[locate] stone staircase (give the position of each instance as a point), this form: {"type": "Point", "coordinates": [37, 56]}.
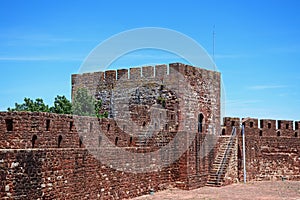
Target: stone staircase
{"type": "Point", "coordinates": [221, 162]}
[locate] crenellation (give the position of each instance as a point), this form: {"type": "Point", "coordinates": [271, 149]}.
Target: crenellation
{"type": "Point", "coordinates": [262, 127]}
{"type": "Point", "coordinates": [148, 72]}
{"type": "Point", "coordinates": [122, 73]}
{"type": "Point", "coordinates": [45, 126]}
{"type": "Point", "coordinates": [135, 73]}
{"type": "Point", "coordinates": [286, 128]}
{"type": "Point", "coordinates": [229, 123]}
{"type": "Point", "coordinates": [110, 76]}
{"type": "Point", "coordinates": [268, 127]}
{"type": "Point", "coordinates": [161, 71]}
{"type": "Point", "coordinates": [175, 68]}
{"type": "Point", "coordinates": [49, 156]}
{"type": "Point", "coordinates": [251, 123]}
{"type": "Point", "coordinates": [190, 69]}
{"type": "Point", "coordinates": [89, 81]}
{"type": "Point", "coordinates": [251, 126]}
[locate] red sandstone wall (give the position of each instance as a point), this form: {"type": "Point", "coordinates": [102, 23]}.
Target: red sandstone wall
{"type": "Point", "coordinates": [173, 79]}
{"type": "Point", "coordinates": [71, 174]}
{"type": "Point", "coordinates": [204, 83]}
{"type": "Point", "coordinates": [199, 160]}
{"type": "Point", "coordinates": [271, 158]}
{"type": "Point", "coordinates": [46, 127]}
{"type": "Point", "coordinates": [272, 149]}
{"type": "Point", "coordinates": [68, 171]}
{"type": "Point", "coordinates": [232, 173]}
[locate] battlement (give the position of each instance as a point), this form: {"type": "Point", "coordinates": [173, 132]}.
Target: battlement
{"type": "Point", "coordinates": [263, 127]}
{"type": "Point", "coordinates": [36, 130]}
{"type": "Point", "coordinates": [46, 155]}
{"type": "Point", "coordinates": [25, 130]}
{"type": "Point", "coordinates": [21, 130]}
{"type": "Point", "coordinates": [90, 81]}
{"type": "Point", "coordinates": [51, 144]}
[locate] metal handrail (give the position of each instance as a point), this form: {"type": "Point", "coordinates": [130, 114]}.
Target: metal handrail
{"type": "Point", "coordinates": [220, 171]}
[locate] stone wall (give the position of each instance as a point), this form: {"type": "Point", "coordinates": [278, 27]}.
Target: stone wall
{"type": "Point", "coordinates": [48, 156]}
{"type": "Point", "coordinates": [70, 170]}
{"type": "Point", "coordinates": [71, 174]}
{"type": "Point", "coordinates": [271, 158]}
{"type": "Point", "coordinates": [183, 91]}
{"type": "Point", "coordinates": [24, 130]}
{"type": "Point", "coordinates": [272, 148]}
{"type": "Point", "coordinates": [232, 173]}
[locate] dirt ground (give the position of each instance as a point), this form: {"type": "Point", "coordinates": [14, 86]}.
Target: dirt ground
{"type": "Point", "coordinates": [254, 190]}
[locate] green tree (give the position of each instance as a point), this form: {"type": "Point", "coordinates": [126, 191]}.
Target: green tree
{"type": "Point", "coordinates": [31, 106]}
{"type": "Point", "coordinates": [98, 105]}
{"type": "Point", "coordinates": [83, 103]}
{"type": "Point", "coordinates": [86, 105]}
{"type": "Point", "coordinates": [61, 105]}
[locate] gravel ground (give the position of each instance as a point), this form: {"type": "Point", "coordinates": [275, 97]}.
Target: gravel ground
{"type": "Point", "coordinates": [254, 190]}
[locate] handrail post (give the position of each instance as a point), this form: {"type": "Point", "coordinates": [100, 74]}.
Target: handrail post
{"type": "Point", "coordinates": [244, 148]}
{"type": "Point", "coordinates": [244, 153]}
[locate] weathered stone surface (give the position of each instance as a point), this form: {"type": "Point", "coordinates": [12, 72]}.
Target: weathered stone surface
{"type": "Point", "coordinates": [48, 156]}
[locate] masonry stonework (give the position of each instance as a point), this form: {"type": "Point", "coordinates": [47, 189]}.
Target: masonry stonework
{"type": "Point", "coordinates": [48, 156]}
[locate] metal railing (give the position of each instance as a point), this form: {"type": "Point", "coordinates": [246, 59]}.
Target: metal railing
{"type": "Point", "coordinates": [225, 157]}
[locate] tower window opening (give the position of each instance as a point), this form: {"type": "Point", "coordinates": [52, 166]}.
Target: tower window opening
{"type": "Point", "coordinates": [9, 124]}
{"type": "Point", "coordinates": [71, 126]}
{"type": "Point", "coordinates": [59, 141]}
{"type": "Point", "coordinates": [33, 140]}
{"type": "Point", "coordinates": [80, 141]}
{"type": "Point", "coordinates": [251, 124]}
{"type": "Point", "coordinates": [200, 123]}
{"type": "Point", "coordinates": [91, 126]}
{"type": "Point", "coordinates": [47, 124]}
{"type": "Point", "coordinates": [269, 125]}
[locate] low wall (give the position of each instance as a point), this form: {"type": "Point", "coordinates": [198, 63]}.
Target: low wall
{"type": "Point", "coordinates": [270, 158]}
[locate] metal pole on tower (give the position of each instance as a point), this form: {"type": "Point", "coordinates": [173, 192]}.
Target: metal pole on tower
{"type": "Point", "coordinates": [214, 46]}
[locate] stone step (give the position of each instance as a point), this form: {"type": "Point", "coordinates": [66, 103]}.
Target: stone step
{"type": "Point", "coordinates": [218, 163]}
{"type": "Point", "coordinates": [215, 178]}
{"type": "Point", "coordinates": [216, 174]}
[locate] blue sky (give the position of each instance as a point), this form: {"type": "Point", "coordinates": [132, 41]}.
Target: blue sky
{"type": "Point", "coordinates": [257, 46]}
